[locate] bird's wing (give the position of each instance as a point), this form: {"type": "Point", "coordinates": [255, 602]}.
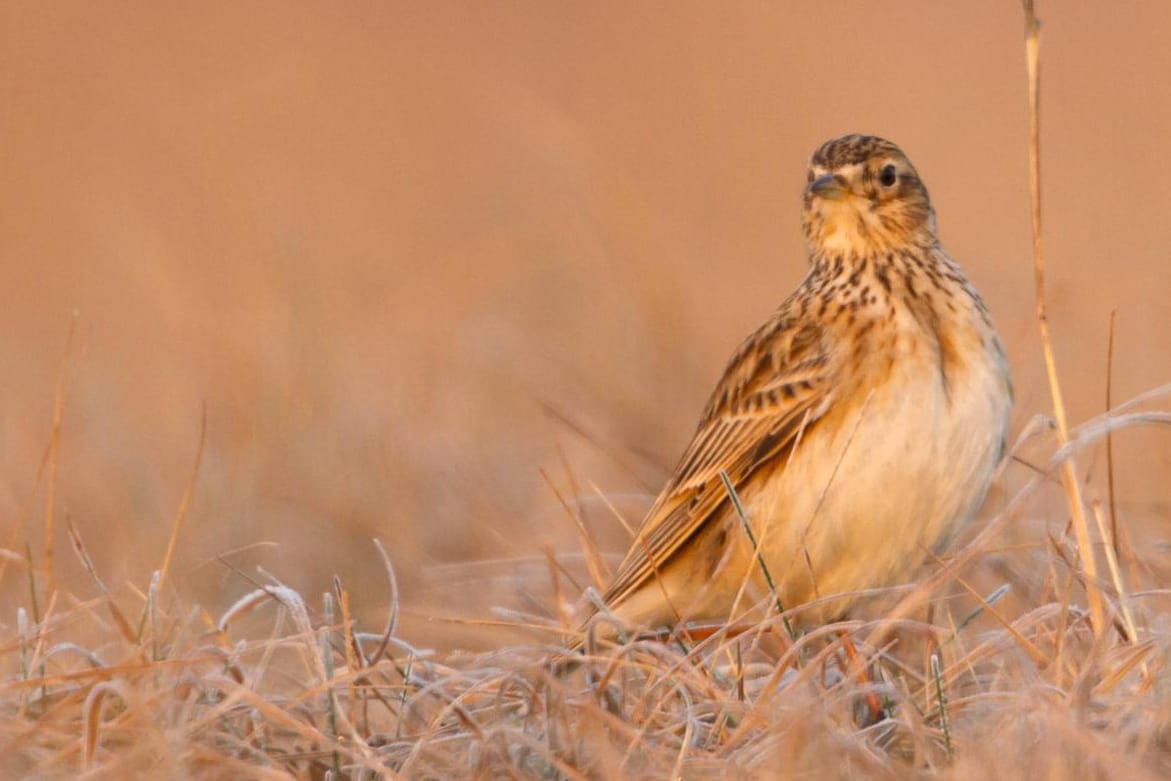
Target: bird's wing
{"type": "Point", "coordinates": [776, 385]}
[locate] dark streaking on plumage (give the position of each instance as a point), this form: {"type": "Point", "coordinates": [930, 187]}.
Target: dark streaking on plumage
{"type": "Point", "coordinates": [882, 313]}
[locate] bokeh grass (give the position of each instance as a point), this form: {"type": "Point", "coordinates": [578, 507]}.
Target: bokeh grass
{"type": "Point", "coordinates": [272, 368]}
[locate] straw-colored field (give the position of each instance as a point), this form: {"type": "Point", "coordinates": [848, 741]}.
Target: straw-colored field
{"type": "Point", "coordinates": [280, 281]}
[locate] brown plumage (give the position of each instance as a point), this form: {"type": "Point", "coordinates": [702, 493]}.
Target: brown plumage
{"type": "Point", "coordinates": [860, 425]}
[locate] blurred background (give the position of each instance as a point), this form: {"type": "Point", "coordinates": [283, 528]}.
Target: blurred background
{"type": "Point", "coordinates": [428, 266]}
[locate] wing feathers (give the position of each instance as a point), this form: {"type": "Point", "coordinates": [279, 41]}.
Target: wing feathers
{"type": "Point", "coordinates": [775, 385]}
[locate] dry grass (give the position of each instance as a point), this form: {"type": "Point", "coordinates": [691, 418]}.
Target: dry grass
{"type": "Point", "coordinates": [989, 666]}
{"type": "Point", "coordinates": [1015, 684]}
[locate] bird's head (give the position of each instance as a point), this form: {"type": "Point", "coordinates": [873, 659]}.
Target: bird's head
{"type": "Point", "coordinates": [865, 197]}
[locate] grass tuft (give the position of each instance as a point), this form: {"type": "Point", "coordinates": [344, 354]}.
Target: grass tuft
{"type": "Point", "coordinates": [1039, 667]}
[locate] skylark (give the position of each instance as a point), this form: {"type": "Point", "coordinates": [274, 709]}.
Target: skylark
{"type": "Point", "coordinates": [859, 427]}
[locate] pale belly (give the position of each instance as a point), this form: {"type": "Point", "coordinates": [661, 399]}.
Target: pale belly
{"type": "Point", "coordinates": [868, 497]}
{"type": "Point", "coordinates": [877, 484]}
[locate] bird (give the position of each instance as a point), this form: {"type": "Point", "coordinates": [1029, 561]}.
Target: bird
{"type": "Point", "coordinates": [851, 435]}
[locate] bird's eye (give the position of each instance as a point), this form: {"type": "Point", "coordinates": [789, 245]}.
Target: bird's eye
{"type": "Point", "coordinates": [887, 176]}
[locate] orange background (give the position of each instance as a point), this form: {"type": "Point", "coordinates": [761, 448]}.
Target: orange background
{"type": "Point", "coordinates": [404, 254]}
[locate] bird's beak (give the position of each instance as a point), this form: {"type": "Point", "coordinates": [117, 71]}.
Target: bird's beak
{"type": "Point", "coordinates": [830, 187]}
